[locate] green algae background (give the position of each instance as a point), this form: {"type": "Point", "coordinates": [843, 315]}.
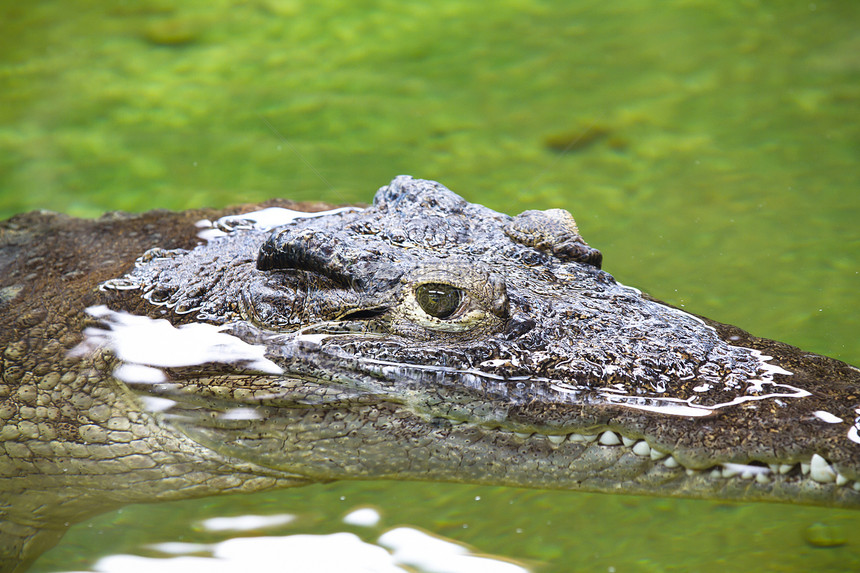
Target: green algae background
{"type": "Point", "coordinates": [708, 148]}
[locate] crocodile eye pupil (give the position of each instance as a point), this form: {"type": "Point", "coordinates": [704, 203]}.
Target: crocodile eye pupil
{"type": "Point", "coordinates": [439, 300]}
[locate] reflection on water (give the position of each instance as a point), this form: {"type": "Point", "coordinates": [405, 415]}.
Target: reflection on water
{"type": "Point", "coordinates": [398, 550]}
{"type": "Point", "coordinates": [550, 531]}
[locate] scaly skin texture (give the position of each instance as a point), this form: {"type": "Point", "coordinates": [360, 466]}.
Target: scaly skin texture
{"type": "Point", "coordinates": [421, 338]}
{"type": "Point", "coordinates": [73, 443]}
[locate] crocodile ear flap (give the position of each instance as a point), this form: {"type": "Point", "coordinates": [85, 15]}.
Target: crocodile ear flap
{"type": "Point", "coordinates": [554, 232]}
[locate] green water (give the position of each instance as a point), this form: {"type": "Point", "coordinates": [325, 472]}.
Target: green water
{"type": "Point", "coordinates": [711, 154]}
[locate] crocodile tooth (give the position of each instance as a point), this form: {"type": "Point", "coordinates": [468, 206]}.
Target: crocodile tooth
{"type": "Point", "coordinates": [856, 486]}
{"type": "Point", "coordinates": [609, 438]}
{"type": "Point", "coordinates": [804, 468]}
{"type": "Point", "coordinates": [841, 479]}
{"type": "Point", "coordinates": [762, 478]}
{"type": "Point", "coordinates": [576, 438]}
{"type": "Point", "coordinates": [690, 471]}
{"type": "Point", "coordinates": [641, 448]}
{"type": "Point", "coordinates": [522, 435]}
{"type": "Point", "coordinates": [773, 467]}
{"type": "Point", "coordinates": [820, 470]}
{"type": "Point", "coordinates": [589, 438]}
{"type": "Point", "coordinates": [716, 473]}
{"type": "Point", "coordinates": [655, 455]}
{"type": "Point", "coordinates": [785, 468]}
{"type": "Point", "coordinates": [747, 475]}
{"type": "Point", "coordinates": [627, 441]}
{"type": "Point", "coordinates": [671, 462]}
{"type": "Point", "coordinates": [556, 439]}
{"type": "Point", "coordinates": [730, 472]}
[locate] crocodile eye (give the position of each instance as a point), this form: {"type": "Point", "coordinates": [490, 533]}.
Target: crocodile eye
{"type": "Point", "coordinates": [437, 299]}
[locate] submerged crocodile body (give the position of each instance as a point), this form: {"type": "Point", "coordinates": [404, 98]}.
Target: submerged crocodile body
{"type": "Point", "coordinates": [423, 338]}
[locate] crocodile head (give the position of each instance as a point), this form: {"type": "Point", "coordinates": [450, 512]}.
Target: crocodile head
{"type": "Point", "coordinates": [425, 337]}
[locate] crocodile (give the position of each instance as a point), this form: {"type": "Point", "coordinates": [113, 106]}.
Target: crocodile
{"type": "Point", "coordinates": [167, 355]}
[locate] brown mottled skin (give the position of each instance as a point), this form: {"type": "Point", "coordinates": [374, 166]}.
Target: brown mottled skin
{"type": "Point", "coordinates": [76, 442]}
{"type": "Point", "coordinates": [64, 470]}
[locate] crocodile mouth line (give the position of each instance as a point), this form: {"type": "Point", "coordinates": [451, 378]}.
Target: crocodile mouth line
{"type": "Point", "coordinates": [816, 469]}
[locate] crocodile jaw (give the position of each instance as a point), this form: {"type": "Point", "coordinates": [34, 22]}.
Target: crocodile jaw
{"type": "Point", "coordinates": [312, 428]}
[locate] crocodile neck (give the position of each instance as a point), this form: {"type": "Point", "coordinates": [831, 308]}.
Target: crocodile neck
{"type": "Point", "coordinates": [76, 444]}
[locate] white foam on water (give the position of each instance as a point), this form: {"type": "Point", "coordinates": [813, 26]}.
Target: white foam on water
{"type": "Point", "coordinates": [139, 373]}
{"type": "Point", "coordinates": [262, 220]}
{"type": "Point", "coordinates": [210, 234]}
{"type": "Point", "coordinates": [827, 417]}
{"type": "Point", "coordinates": [241, 414]}
{"type": "Point", "coordinates": [432, 554]}
{"type": "Point", "coordinates": [345, 552]}
{"type": "Point", "coordinates": [156, 403]}
{"type": "Point", "coordinates": [144, 344]}
{"type": "Point", "coordinates": [289, 554]}
{"type": "Point", "coordinates": [311, 340]}
{"type": "Point", "coordinates": [668, 407]}
{"type": "Point", "coordinates": [246, 522]}
{"type": "Point", "coordinates": [365, 517]}
{"type": "Point", "coordinates": [180, 548]}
